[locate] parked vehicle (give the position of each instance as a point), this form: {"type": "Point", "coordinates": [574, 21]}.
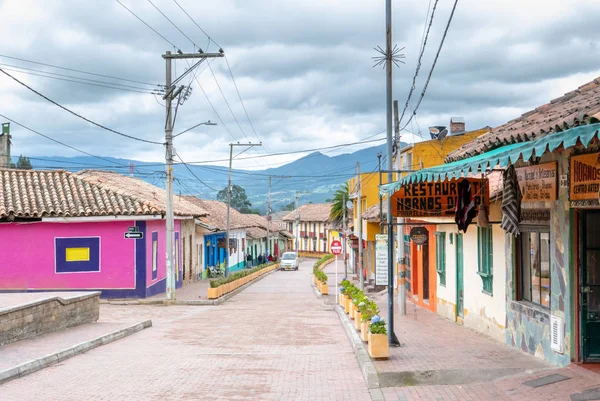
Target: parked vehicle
{"type": "Point", "coordinates": [289, 261]}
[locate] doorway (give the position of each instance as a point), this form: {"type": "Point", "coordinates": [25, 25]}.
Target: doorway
{"type": "Point", "coordinates": [590, 286]}
{"type": "Point", "coordinates": [460, 291]}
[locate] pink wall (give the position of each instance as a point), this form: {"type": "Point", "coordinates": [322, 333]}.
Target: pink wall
{"type": "Point", "coordinates": [27, 256]}
{"type": "Point", "coordinates": [160, 227]}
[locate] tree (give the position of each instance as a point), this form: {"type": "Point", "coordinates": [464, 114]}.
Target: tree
{"type": "Point", "coordinates": [339, 205]}
{"type": "Point", "coordinates": [239, 199]}
{"type": "Point", "coordinates": [23, 163]}
{"type": "Point", "coordinates": [289, 207]}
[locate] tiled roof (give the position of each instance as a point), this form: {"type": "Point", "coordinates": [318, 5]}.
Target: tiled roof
{"type": "Point", "coordinates": [256, 232]}
{"type": "Point", "coordinates": [578, 107]}
{"type": "Point", "coordinates": [150, 194]}
{"type": "Point", "coordinates": [57, 193]}
{"type": "Point", "coordinates": [217, 214]}
{"type": "Point", "coordinates": [311, 212]}
{"type": "Point", "coordinates": [372, 213]}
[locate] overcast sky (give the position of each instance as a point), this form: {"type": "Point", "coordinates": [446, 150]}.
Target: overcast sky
{"type": "Point", "coordinates": [303, 68]}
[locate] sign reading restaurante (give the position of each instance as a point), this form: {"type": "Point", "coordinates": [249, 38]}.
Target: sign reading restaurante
{"type": "Point", "coordinates": [538, 183]}
{"type": "Point", "coordinates": [436, 198]}
{"type": "Point", "coordinates": [585, 177]}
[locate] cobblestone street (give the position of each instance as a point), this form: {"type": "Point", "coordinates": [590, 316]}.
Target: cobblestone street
{"type": "Point", "coordinates": [273, 341]}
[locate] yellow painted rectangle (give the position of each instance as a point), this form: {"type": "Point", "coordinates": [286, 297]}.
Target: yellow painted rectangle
{"type": "Point", "coordinates": [77, 254]}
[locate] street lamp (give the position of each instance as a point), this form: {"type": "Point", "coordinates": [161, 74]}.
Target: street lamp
{"type": "Point", "coordinates": [197, 125]}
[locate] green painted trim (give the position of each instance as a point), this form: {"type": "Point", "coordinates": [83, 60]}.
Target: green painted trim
{"type": "Point", "coordinates": [572, 284]}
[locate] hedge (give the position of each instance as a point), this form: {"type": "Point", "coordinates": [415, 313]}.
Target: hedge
{"type": "Point", "coordinates": [237, 275]}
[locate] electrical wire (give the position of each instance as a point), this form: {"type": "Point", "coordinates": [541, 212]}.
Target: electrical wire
{"type": "Point", "coordinates": [195, 176]}
{"type": "Point", "coordinates": [433, 65]}
{"type": "Point", "coordinates": [195, 23]}
{"type": "Point", "coordinates": [59, 142]}
{"type": "Point", "coordinates": [421, 52]}
{"type": "Point", "coordinates": [145, 23]}
{"type": "Point", "coordinates": [172, 23]}
{"type": "Point", "coordinates": [139, 88]}
{"type": "Point", "coordinates": [81, 82]}
{"type": "Point", "coordinates": [79, 71]}
{"type": "Point", "coordinates": [78, 115]}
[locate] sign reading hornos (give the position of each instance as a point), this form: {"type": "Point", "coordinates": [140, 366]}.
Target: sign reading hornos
{"type": "Point", "coordinates": [435, 198]}
{"type": "Point", "coordinates": [585, 177]}
{"type": "Point", "coordinates": [538, 183]}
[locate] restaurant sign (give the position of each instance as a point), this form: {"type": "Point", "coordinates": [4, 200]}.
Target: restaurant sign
{"type": "Point", "coordinates": [538, 183]}
{"type": "Point", "coordinates": [427, 199]}
{"type": "Point", "coordinates": [584, 177]}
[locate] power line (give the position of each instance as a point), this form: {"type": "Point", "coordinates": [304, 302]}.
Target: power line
{"type": "Point", "coordinates": [422, 51]}
{"type": "Point", "coordinates": [172, 23]}
{"type": "Point", "coordinates": [145, 91]}
{"type": "Point", "coordinates": [79, 71]}
{"type": "Point", "coordinates": [59, 142]}
{"type": "Point", "coordinates": [240, 97]}
{"type": "Point", "coordinates": [145, 23]}
{"type": "Point", "coordinates": [195, 176]}
{"type": "Point", "coordinates": [433, 65]}
{"type": "Point", "coordinates": [79, 115]}
{"type": "Point", "coordinates": [195, 23]}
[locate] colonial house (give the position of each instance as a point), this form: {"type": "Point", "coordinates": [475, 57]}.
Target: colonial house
{"type": "Point", "coordinates": [311, 230]}
{"type": "Point", "coordinates": [211, 233]}
{"type": "Point", "coordinates": [528, 277]}
{"type": "Point", "coordinates": [92, 230]}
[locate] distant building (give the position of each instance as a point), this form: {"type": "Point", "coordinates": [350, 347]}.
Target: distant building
{"type": "Point", "coordinates": [311, 233]}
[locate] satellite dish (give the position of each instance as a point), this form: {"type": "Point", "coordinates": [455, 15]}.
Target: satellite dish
{"type": "Point", "coordinates": [442, 134]}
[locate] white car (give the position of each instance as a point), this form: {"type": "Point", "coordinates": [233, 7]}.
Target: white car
{"type": "Point", "coordinates": [289, 261]}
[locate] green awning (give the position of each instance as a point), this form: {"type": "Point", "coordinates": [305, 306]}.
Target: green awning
{"type": "Point", "coordinates": [501, 157]}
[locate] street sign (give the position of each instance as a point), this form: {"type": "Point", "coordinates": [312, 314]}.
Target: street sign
{"type": "Point", "coordinates": [132, 229]}
{"type": "Point", "coordinates": [134, 235]}
{"type": "Point", "coordinates": [336, 247]}
{"type": "Point", "coordinates": [381, 259]}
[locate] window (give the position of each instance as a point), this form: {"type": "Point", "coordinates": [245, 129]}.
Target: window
{"type": "Point", "coordinates": [485, 258]}
{"type": "Point", "coordinates": [77, 254]}
{"type": "Point", "coordinates": [535, 268]}
{"type": "Point", "coordinates": [154, 254]}
{"type": "Point", "coordinates": [440, 256]}
{"type": "Point", "coordinates": [176, 250]}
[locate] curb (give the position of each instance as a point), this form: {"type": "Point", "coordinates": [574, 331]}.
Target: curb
{"type": "Point", "coordinates": [50, 359]}
{"type": "Point", "coordinates": [364, 360]}
{"type": "Point", "coordinates": [190, 302]}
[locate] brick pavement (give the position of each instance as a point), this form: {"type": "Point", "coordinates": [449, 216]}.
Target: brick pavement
{"type": "Point", "coordinates": [466, 365]}
{"type": "Point", "coordinates": [273, 341]}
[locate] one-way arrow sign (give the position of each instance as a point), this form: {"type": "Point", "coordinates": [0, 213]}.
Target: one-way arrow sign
{"type": "Point", "coordinates": [134, 235]}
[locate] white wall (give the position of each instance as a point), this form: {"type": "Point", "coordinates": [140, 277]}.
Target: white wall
{"type": "Point", "coordinates": [483, 312]}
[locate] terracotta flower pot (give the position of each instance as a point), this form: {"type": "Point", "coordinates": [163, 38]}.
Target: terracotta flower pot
{"type": "Point", "coordinates": [378, 346]}
{"type": "Point", "coordinates": [364, 331]}
{"type": "Point", "coordinates": [213, 293]}
{"type": "Point", "coordinates": [357, 317]}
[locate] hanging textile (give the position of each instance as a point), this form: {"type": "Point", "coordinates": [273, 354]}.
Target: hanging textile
{"type": "Point", "coordinates": [511, 202]}
{"type": "Point", "coordinates": [482, 216]}
{"type": "Point", "coordinates": [465, 206]}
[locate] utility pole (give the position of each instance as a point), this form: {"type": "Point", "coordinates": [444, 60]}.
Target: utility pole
{"type": "Point", "coordinates": [392, 339]}
{"type": "Point", "coordinates": [400, 233]}
{"type": "Point", "coordinates": [359, 214]}
{"type": "Point", "coordinates": [231, 145]}
{"type": "Point", "coordinates": [345, 238]}
{"type": "Point", "coordinates": [268, 216]}
{"type": "Point", "coordinates": [297, 226]}
{"type": "Point", "coordinates": [380, 197]}
{"type": "Point", "coordinates": [172, 93]}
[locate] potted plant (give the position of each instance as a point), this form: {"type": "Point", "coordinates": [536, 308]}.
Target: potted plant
{"type": "Point", "coordinates": [378, 346]}
{"type": "Point", "coordinates": [358, 315]}
{"type": "Point", "coordinates": [367, 311]}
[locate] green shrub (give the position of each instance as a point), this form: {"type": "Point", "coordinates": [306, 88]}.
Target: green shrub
{"type": "Point", "coordinates": [378, 327]}
{"type": "Point", "coordinates": [368, 310]}
{"type": "Point", "coordinates": [237, 275]}
{"type": "Point", "coordinates": [321, 276]}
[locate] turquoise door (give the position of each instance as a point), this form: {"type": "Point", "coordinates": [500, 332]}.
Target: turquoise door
{"type": "Point", "coordinates": [460, 292]}
{"type": "Point", "coordinates": [590, 286]}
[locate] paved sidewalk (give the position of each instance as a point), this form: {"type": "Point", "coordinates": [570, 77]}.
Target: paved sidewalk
{"type": "Point", "coordinates": [273, 341]}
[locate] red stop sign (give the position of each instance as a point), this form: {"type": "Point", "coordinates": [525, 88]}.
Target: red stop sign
{"type": "Point", "coordinates": [336, 247]}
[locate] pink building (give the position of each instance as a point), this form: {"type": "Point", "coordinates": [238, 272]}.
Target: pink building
{"type": "Point", "coordinates": [65, 231]}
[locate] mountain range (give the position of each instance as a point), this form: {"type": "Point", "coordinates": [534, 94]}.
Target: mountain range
{"type": "Point", "coordinates": [316, 175]}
